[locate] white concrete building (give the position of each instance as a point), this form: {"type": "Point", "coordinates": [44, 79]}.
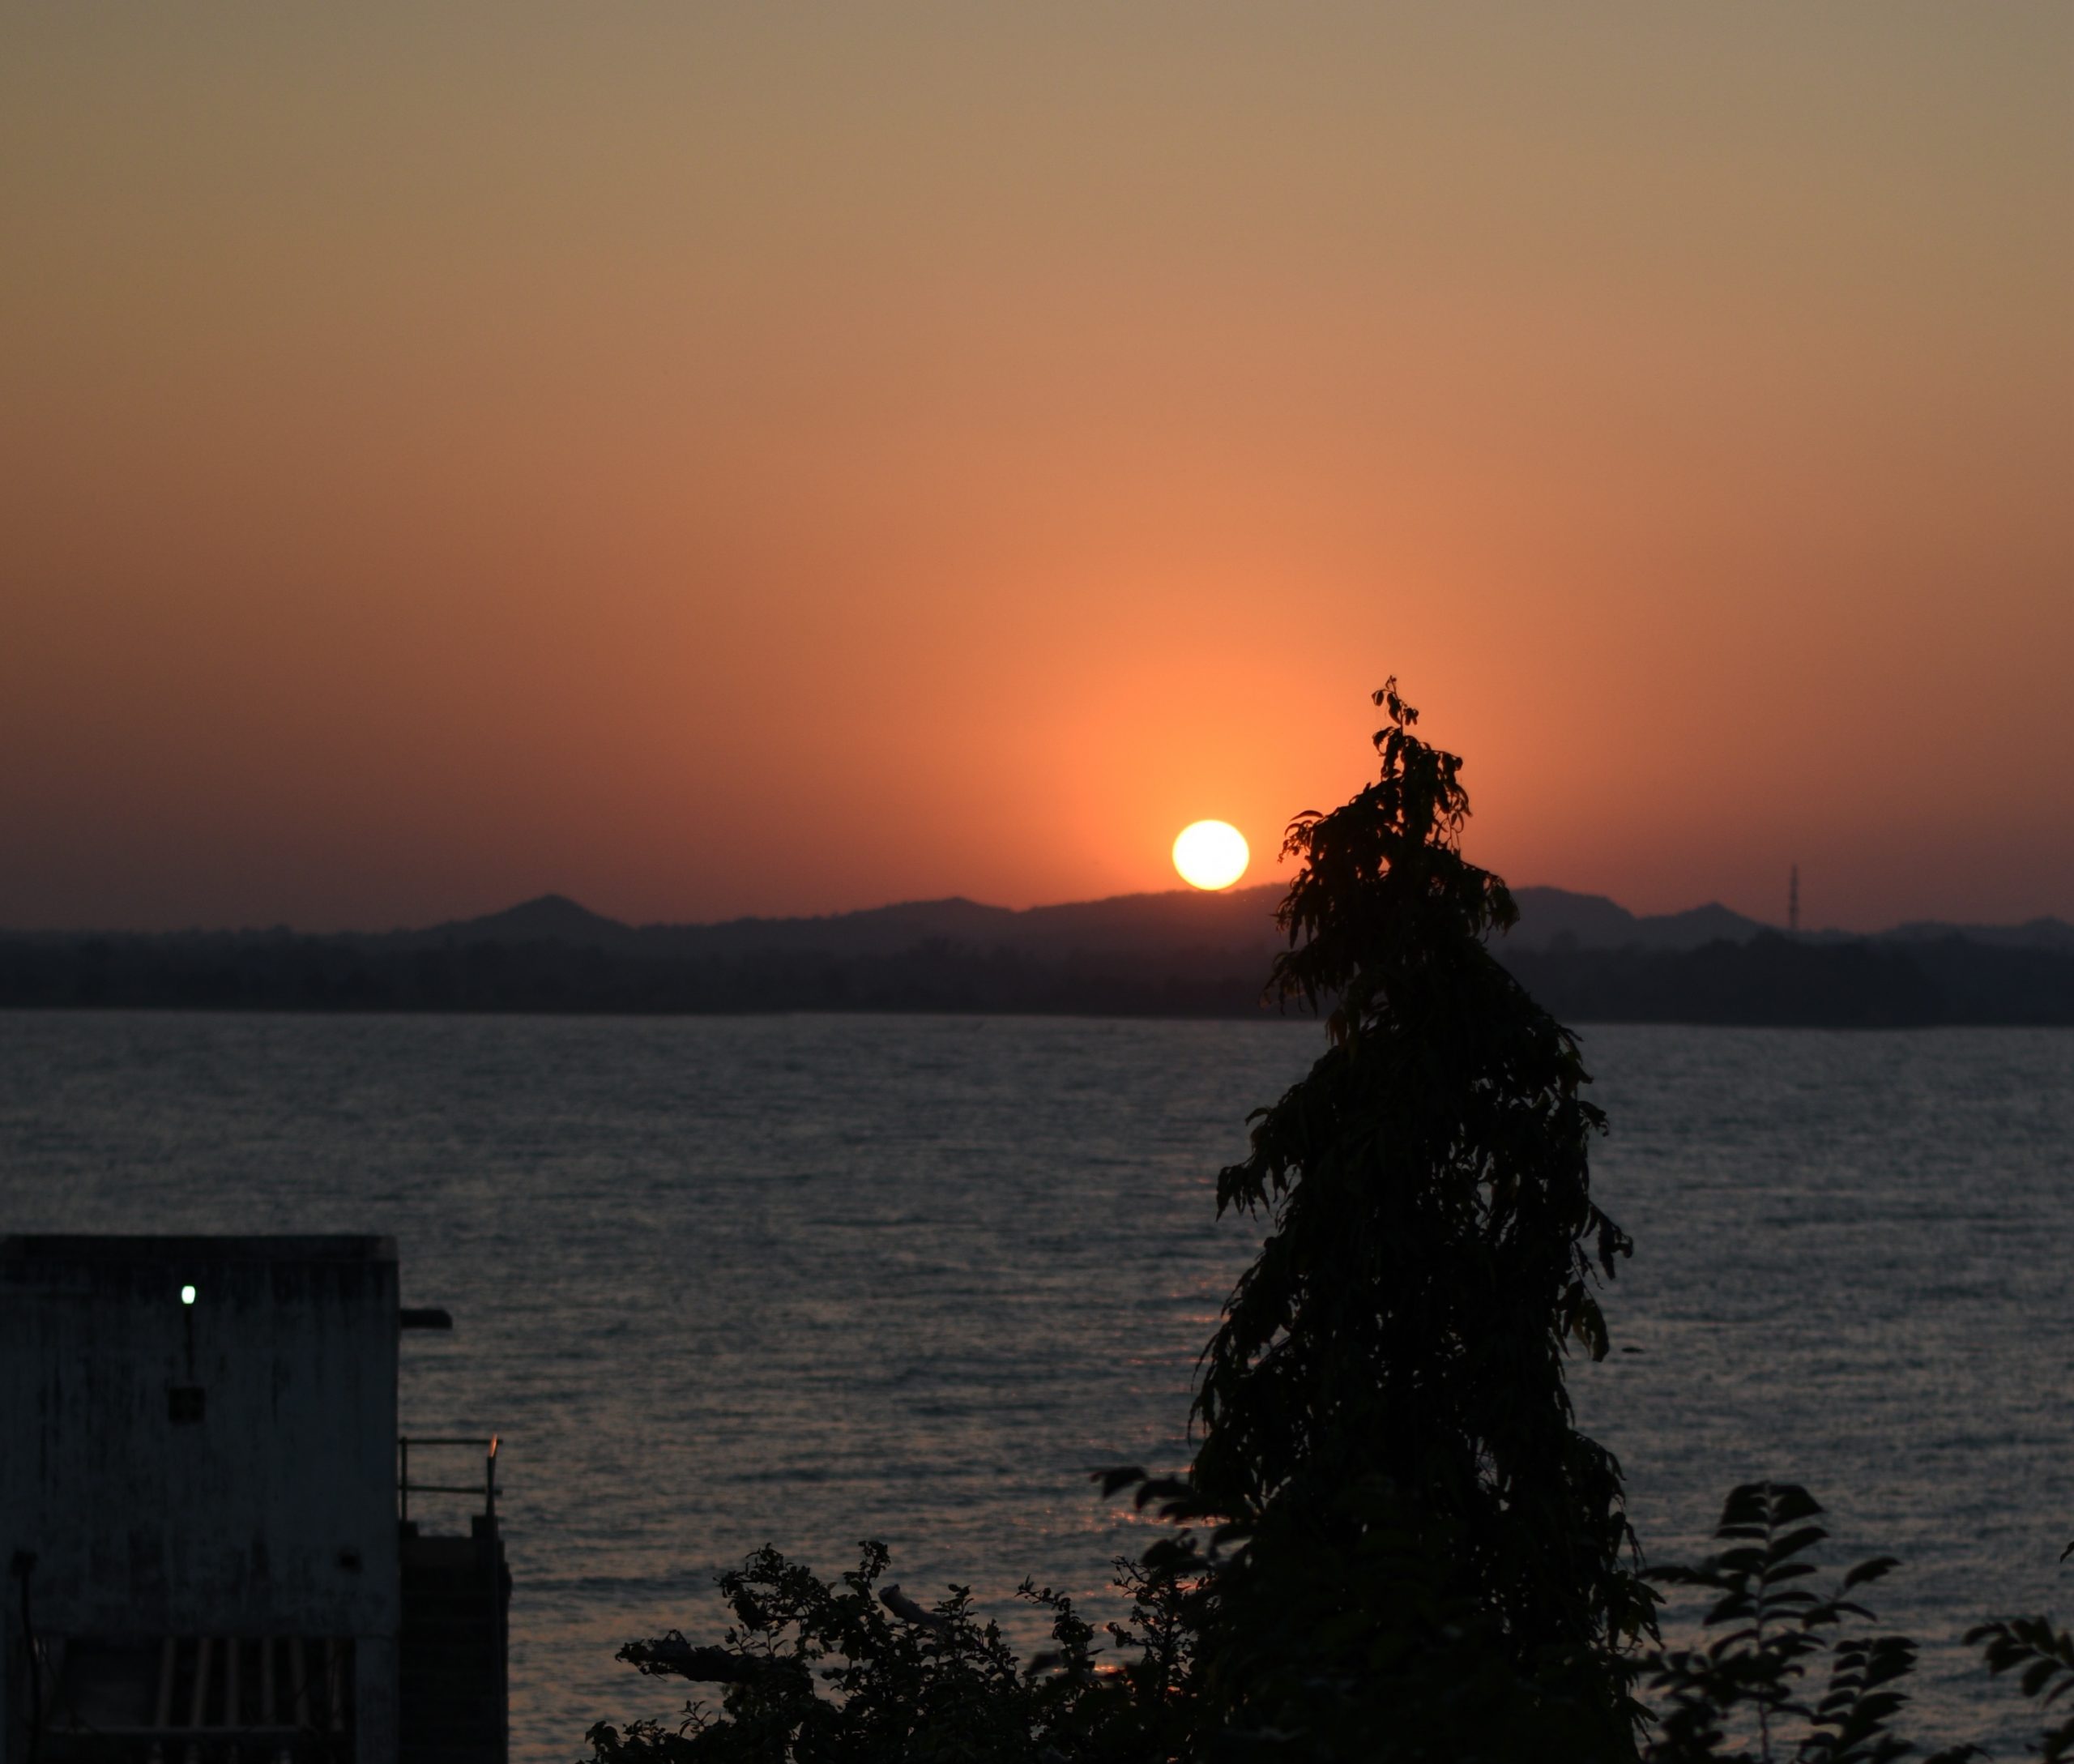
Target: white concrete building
{"type": "Point", "coordinates": [198, 1502]}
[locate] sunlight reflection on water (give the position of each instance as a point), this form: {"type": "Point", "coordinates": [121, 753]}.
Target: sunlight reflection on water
{"type": "Point", "coordinates": [722, 1281]}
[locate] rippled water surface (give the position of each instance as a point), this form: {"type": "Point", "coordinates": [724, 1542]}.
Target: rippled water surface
{"type": "Point", "coordinates": [811, 1279]}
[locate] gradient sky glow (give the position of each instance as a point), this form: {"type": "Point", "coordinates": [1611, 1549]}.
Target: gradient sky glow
{"type": "Point", "coordinates": [761, 459]}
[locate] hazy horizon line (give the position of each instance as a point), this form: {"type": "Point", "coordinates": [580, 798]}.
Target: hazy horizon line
{"type": "Point", "coordinates": [554, 896]}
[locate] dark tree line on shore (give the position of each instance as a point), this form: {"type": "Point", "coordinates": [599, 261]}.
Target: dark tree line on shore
{"type": "Point", "coordinates": [1393, 1543]}
{"type": "Point", "coordinates": [1770, 980]}
{"type": "Point", "coordinates": [341, 974]}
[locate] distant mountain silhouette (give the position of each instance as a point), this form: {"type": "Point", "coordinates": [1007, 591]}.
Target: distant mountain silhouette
{"type": "Point", "coordinates": [1241, 919]}
{"type": "Point", "coordinates": [1556, 918]}
{"type": "Point", "coordinates": [1180, 954]}
{"type": "Point", "coordinates": [548, 919]}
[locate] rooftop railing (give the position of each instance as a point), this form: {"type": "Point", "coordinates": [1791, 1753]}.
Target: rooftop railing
{"type": "Point", "coordinates": [405, 1488]}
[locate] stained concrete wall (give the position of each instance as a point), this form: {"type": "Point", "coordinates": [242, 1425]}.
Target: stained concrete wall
{"type": "Point", "coordinates": [264, 1506]}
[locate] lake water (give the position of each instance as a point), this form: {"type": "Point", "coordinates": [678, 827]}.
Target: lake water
{"type": "Point", "coordinates": [808, 1279]}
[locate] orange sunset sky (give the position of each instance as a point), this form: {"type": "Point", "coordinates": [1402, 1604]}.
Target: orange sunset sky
{"type": "Point", "coordinates": [762, 458]}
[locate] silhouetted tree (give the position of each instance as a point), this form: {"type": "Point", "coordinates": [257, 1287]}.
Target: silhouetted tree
{"type": "Point", "coordinates": [1419, 1554]}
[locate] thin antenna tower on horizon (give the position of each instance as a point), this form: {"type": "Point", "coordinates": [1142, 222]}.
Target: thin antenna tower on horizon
{"type": "Point", "coordinates": [1792, 901]}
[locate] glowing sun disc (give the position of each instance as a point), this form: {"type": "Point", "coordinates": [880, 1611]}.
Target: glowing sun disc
{"type": "Point", "coordinates": [1210, 854]}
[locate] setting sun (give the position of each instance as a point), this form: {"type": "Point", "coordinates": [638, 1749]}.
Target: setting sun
{"type": "Point", "coordinates": [1210, 854]}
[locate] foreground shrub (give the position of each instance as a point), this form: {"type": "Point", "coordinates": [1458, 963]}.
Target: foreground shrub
{"type": "Point", "coordinates": [907, 1682]}
{"type": "Point", "coordinates": [1789, 1675]}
